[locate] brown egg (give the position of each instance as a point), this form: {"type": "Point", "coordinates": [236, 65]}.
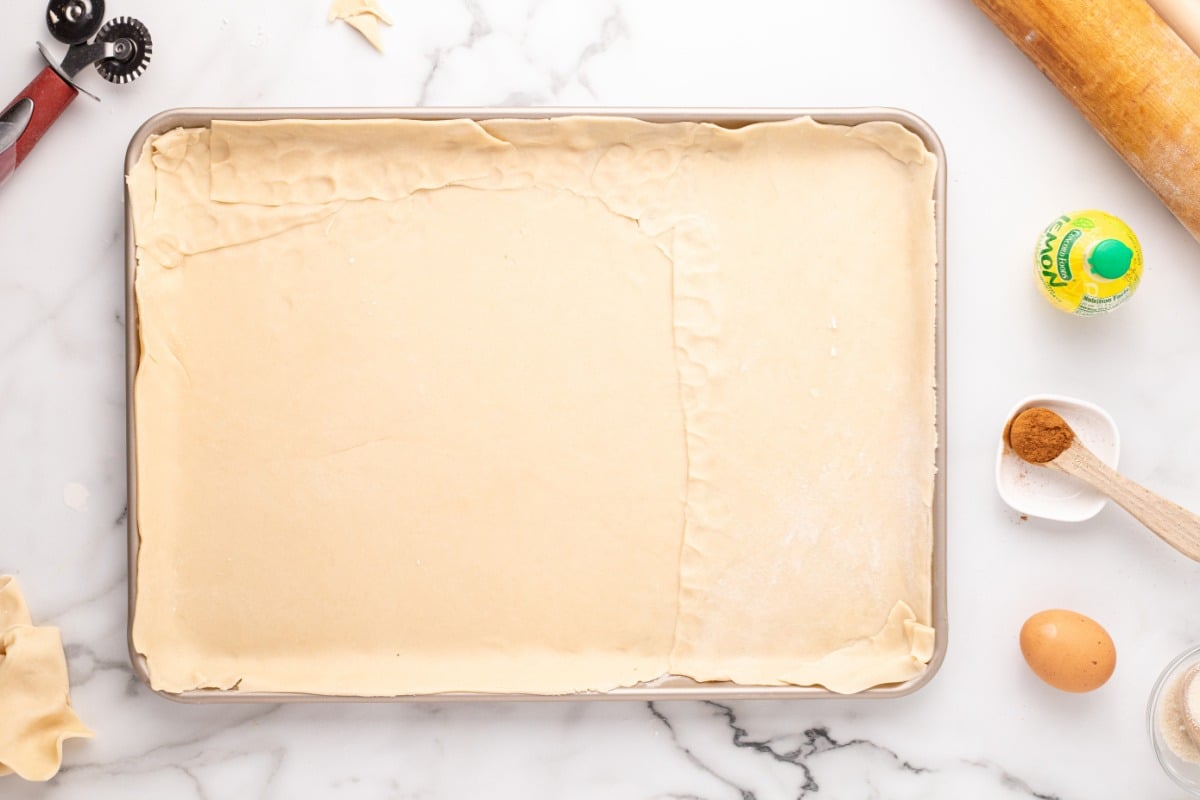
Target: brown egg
{"type": "Point", "coordinates": [1068, 650]}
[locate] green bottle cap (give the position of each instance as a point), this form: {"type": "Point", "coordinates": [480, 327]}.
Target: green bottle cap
{"type": "Point", "coordinates": [1110, 258]}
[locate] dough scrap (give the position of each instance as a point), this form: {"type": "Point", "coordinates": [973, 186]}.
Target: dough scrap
{"type": "Point", "coordinates": [35, 711]}
{"type": "Point", "coordinates": [362, 15]}
{"type": "Point", "coordinates": [13, 610]}
{"type": "Point", "coordinates": [533, 405]}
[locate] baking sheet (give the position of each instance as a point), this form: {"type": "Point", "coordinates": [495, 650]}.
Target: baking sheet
{"type": "Point", "coordinates": [664, 688]}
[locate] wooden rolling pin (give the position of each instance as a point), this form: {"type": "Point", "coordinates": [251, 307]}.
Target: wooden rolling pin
{"type": "Point", "coordinates": [1184, 18]}
{"type": "Point", "coordinates": [1130, 75]}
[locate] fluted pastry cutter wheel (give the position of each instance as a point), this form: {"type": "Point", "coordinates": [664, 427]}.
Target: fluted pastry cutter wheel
{"type": "Point", "coordinates": [119, 50]}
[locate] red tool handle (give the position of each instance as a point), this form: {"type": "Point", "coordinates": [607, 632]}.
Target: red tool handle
{"type": "Point", "coordinates": [50, 95]}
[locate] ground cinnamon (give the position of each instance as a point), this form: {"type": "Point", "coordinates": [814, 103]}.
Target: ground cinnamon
{"type": "Point", "coordinates": [1038, 435]}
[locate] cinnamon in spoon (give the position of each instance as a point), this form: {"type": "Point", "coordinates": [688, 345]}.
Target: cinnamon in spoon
{"type": "Point", "coordinates": [1038, 435]}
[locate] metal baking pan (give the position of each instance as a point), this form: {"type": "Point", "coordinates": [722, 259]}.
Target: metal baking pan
{"type": "Point", "coordinates": [669, 688]}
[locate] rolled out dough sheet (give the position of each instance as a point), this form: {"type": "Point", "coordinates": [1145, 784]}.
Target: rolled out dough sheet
{"type": "Point", "coordinates": [533, 405]}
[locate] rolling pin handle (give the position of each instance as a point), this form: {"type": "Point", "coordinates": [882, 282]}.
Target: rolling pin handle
{"type": "Point", "coordinates": [29, 116]}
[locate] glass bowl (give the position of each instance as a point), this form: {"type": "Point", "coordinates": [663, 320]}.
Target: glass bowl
{"type": "Point", "coordinates": [1171, 742]}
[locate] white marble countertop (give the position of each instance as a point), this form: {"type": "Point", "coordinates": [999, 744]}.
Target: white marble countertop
{"type": "Point", "coordinates": [1018, 155]}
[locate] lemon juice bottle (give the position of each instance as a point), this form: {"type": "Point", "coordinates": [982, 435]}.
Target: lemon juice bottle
{"type": "Point", "coordinates": [1088, 262]}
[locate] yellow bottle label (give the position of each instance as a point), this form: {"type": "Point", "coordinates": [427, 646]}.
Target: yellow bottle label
{"type": "Point", "coordinates": [1088, 262]}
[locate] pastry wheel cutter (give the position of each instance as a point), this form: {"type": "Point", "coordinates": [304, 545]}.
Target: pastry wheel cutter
{"type": "Point", "coordinates": [119, 50]}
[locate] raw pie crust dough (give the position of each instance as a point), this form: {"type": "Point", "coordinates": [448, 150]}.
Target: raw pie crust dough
{"type": "Point", "coordinates": [533, 405]}
{"type": "Point", "coordinates": [362, 15]}
{"type": "Point", "coordinates": [35, 710]}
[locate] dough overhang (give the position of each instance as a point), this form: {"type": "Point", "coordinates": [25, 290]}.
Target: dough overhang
{"type": "Point", "coordinates": [788, 538]}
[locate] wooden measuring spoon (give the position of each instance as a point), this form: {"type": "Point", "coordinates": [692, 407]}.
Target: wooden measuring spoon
{"type": "Point", "coordinates": [1172, 523]}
